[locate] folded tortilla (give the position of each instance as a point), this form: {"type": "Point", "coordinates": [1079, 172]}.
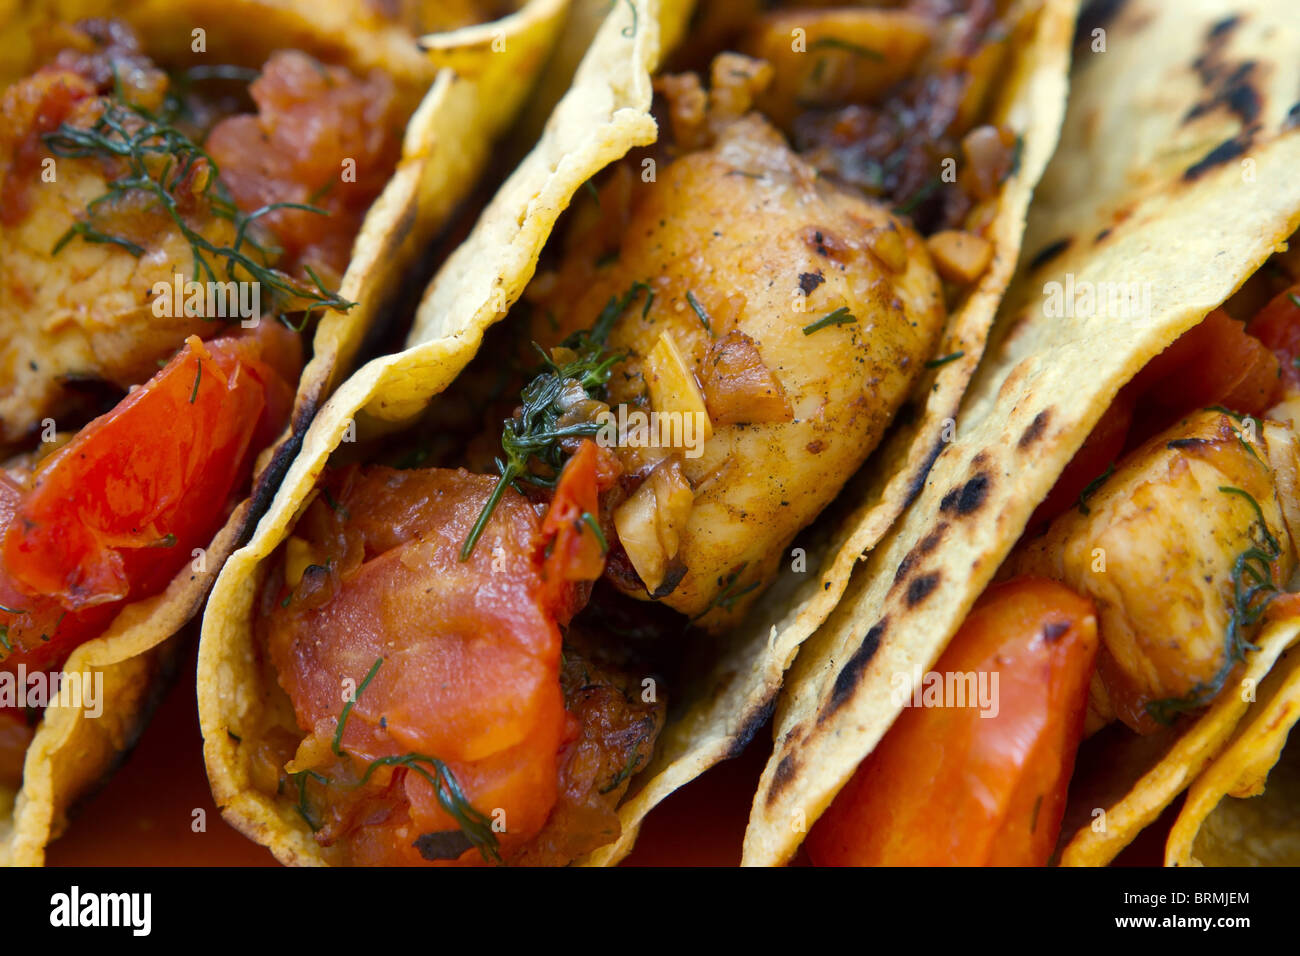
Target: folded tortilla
{"type": "Point", "coordinates": [1175, 168]}
{"type": "Point", "coordinates": [463, 88]}
{"type": "Point", "coordinates": [604, 114]}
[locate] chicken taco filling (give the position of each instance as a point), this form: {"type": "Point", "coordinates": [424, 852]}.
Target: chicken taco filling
{"type": "Point", "coordinates": [728, 322]}
{"type": "Point", "coordinates": [1130, 606]}
{"type": "Point", "coordinates": [164, 237]}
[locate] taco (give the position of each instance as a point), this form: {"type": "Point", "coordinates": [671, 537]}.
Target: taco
{"type": "Point", "coordinates": [449, 661]}
{"type": "Point", "coordinates": [182, 207]}
{"type": "Point", "coordinates": [1111, 536]}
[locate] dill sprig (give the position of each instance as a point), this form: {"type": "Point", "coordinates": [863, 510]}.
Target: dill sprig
{"type": "Point", "coordinates": [1252, 592]}
{"type": "Point", "coordinates": [944, 359]}
{"type": "Point", "coordinates": [347, 708]}
{"type": "Point", "coordinates": [159, 160]}
{"type": "Point", "coordinates": [534, 431]}
{"type": "Point", "coordinates": [728, 596]}
{"type": "Point", "coordinates": [1091, 487]}
{"type": "Point", "coordinates": [841, 316]}
{"type": "Point", "coordinates": [475, 825]}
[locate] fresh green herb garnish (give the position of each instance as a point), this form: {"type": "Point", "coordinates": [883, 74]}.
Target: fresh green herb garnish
{"type": "Point", "coordinates": [728, 596]}
{"type": "Point", "coordinates": [475, 825]}
{"type": "Point", "coordinates": [12, 610]}
{"type": "Point", "coordinates": [628, 769]}
{"type": "Point", "coordinates": [4, 637]}
{"type": "Point", "coordinates": [944, 360]}
{"type": "Point", "coordinates": [198, 377]}
{"type": "Point", "coordinates": [347, 708]}
{"type": "Point", "coordinates": [1253, 591]}
{"type": "Point", "coordinates": [835, 43]}
{"type": "Point", "coordinates": [594, 525]}
{"type": "Point", "coordinates": [534, 431]}
{"type": "Point", "coordinates": [841, 316]}
{"type": "Point", "coordinates": [699, 311]}
{"type": "Point", "coordinates": [300, 778]}
{"type": "Point", "coordinates": [1091, 488]}
{"type": "Point", "coordinates": [920, 196]}
{"type": "Point", "coordinates": [160, 161]}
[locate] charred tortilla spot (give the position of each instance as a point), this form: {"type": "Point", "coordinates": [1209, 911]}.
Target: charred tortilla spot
{"type": "Point", "coordinates": [968, 498]}
{"type": "Point", "coordinates": [922, 473]}
{"type": "Point", "coordinates": [1227, 150]}
{"type": "Point", "coordinates": [781, 778]}
{"type": "Point", "coordinates": [1234, 92]}
{"type": "Point", "coordinates": [1224, 26]}
{"type": "Point", "coordinates": [1102, 236]}
{"type": "Point", "coordinates": [757, 718]}
{"type": "Point", "coordinates": [1034, 430]}
{"type": "Point", "coordinates": [851, 673]}
{"type": "Point", "coordinates": [904, 568]}
{"type": "Point", "coordinates": [931, 540]}
{"type": "Point", "coordinates": [1095, 15]}
{"type": "Point", "coordinates": [921, 588]}
{"type": "Point", "coordinates": [810, 280]}
{"type": "Point", "coordinates": [1053, 631]}
{"type": "Point", "coordinates": [1049, 252]}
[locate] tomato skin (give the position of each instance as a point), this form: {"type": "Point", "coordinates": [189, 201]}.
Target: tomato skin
{"type": "Point", "coordinates": [113, 514]}
{"type": "Point", "coordinates": [1277, 325]}
{"type": "Point", "coordinates": [1214, 363]}
{"type": "Point", "coordinates": [947, 787]}
{"type": "Point", "coordinates": [470, 649]}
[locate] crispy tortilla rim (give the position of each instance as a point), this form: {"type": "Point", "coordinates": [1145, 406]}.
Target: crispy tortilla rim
{"type": "Point", "coordinates": [604, 114]}
{"type": "Point", "coordinates": [459, 106]}
{"type": "Point", "coordinates": [1157, 184]}
{"type": "Point", "coordinates": [1244, 810]}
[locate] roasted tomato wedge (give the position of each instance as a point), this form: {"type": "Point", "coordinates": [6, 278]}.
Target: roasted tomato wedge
{"type": "Point", "coordinates": [464, 657]}
{"type": "Point", "coordinates": [113, 514]}
{"type": "Point", "coordinates": [1278, 326]}
{"type": "Point", "coordinates": [950, 786]}
{"type": "Point", "coordinates": [1213, 363]}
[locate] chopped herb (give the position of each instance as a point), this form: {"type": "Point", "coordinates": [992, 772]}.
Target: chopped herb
{"type": "Point", "coordinates": [1295, 299]}
{"type": "Point", "coordinates": [592, 523]}
{"type": "Point", "coordinates": [699, 311]}
{"type": "Point", "coordinates": [347, 708]}
{"type": "Point", "coordinates": [608, 259]}
{"type": "Point", "coordinates": [287, 598]}
{"type": "Point", "coordinates": [841, 316]}
{"type": "Point", "coordinates": [1249, 602]}
{"type": "Point", "coordinates": [475, 825]}
{"type": "Point", "coordinates": [835, 43]}
{"type": "Point", "coordinates": [160, 161]}
{"type": "Point", "coordinates": [920, 196]}
{"type": "Point", "coordinates": [728, 596]}
{"type": "Point", "coordinates": [198, 377]}
{"type": "Point", "coordinates": [944, 360]}
{"type": "Point", "coordinates": [12, 610]}
{"type": "Point", "coordinates": [1091, 488]}
{"type": "Point", "coordinates": [334, 506]}
{"type": "Point", "coordinates": [591, 188]}
{"type": "Point", "coordinates": [166, 541]}
{"type": "Point", "coordinates": [4, 637]}
{"type": "Point", "coordinates": [300, 778]}
{"type": "Point", "coordinates": [628, 769]}
{"type": "Point", "coordinates": [535, 431]}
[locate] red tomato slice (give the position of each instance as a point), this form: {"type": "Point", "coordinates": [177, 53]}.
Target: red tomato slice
{"type": "Point", "coordinates": [576, 544]}
{"type": "Point", "coordinates": [115, 513]}
{"type": "Point", "coordinates": [949, 787]}
{"type": "Point", "coordinates": [1278, 326]}
{"type": "Point", "coordinates": [1213, 363]}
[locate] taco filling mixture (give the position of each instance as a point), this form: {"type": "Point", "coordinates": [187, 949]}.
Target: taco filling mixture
{"type": "Point", "coordinates": [721, 352]}
{"type": "Point", "coordinates": [1130, 604]}
{"type": "Point", "coordinates": [127, 195]}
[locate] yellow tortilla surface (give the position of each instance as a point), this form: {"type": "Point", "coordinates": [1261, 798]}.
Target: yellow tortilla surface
{"type": "Point", "coordinates": [1244, 810]}
{"type": "Point", "coordinates": [462, 105]}
{"type": "Point", "coordinates": [1156, 180]}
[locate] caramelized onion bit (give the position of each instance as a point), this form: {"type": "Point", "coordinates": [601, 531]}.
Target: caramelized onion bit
{"type": "Point", "coordinates": [738, 387]}
{"type": "Point", "coordinates": [672, 384]}
{"type": "Point", "coordinates": [988, 151]}
{"type": "Point", "coordinates": [960, 256]}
